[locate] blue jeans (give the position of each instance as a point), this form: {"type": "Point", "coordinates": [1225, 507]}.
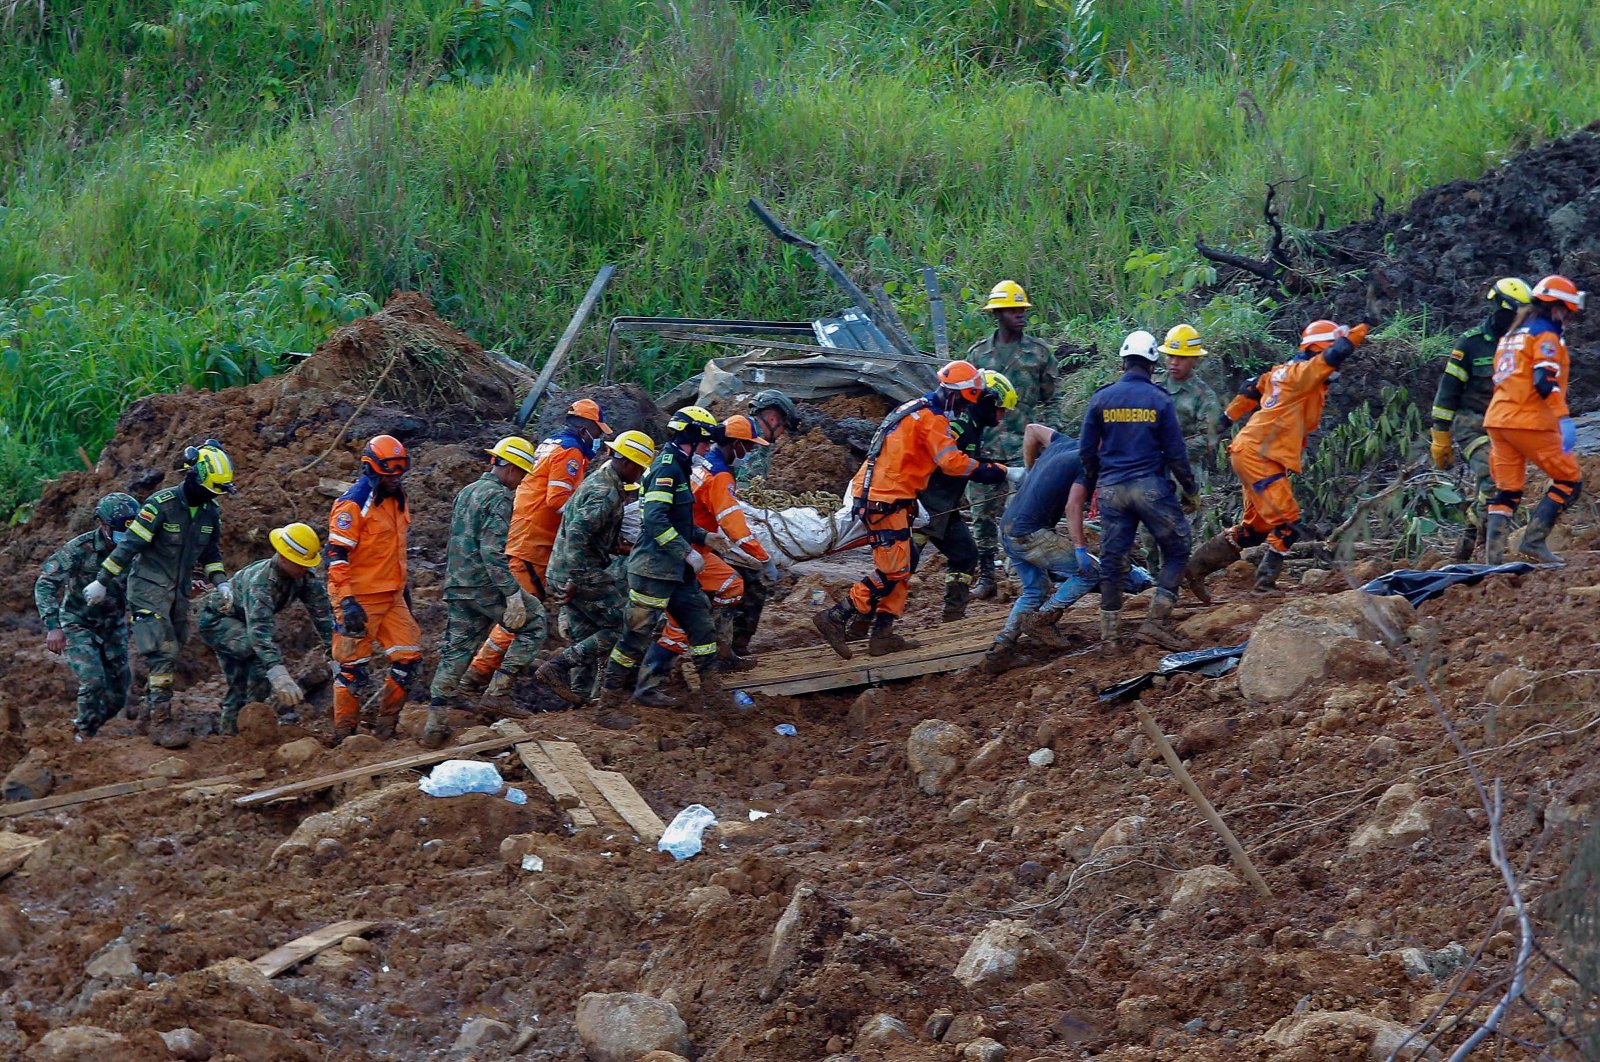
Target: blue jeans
{"type": "Point", "coordinates": [1151, 501]}
{"type": "Point", "coordinates": [1046, 557]}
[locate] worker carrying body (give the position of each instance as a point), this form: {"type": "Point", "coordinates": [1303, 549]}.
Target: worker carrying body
{"type": "Point", "coordinates": [559, 466]}
{"type": "Point", "coordinates": [586, 575]}
{"type": "Point", "coordinates": [242, 634]}
{"type": "Point", "coordinates": [368, 583]}
{"type": "Point", "coordinates": [775, 416]}
{"type": "Point", "coordinates": [1465, 387]}
{"type": "Point", "coordinates": [1040, 554]}
{"type": "Point", "coordinates": [1131, 444]}
{"type": "Point", "coordinates": [177, 531]}
{"type": "Point", "coordinates": [1270, 447]}
{"type": "Point", "coordinates": [943, 499]}
{"type": "Point", "coordinates": [1032, 370]}
{"type": "Point", "coordinates": [93, 638]}
{"type": "Point", "coordinates": [1198, 409]}
{"type": "Point", "coordinates": [663, 570]}
{"type": "Point", "coordinates": [1528, 420]}
{"type": "Point", "coordinates": [728, 535]}
{"type": "Point", "coordinates": [911, 442]}
{"type": "Point", "coordinates": [479, 591]}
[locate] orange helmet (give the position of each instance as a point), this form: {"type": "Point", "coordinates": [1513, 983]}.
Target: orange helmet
{"type": "Point", "coordinates": [386, 456]}
{"type": "Point", "coordinates": [1319, 336]}
{"type": "Point", "coordinates": [962, 378]}
{"type": "Point", "coordinates": [589, 409]}
{"type": "Point", "coordinates": [1557, 288]}
{"type": "Point", "coordinates": [742, 429]}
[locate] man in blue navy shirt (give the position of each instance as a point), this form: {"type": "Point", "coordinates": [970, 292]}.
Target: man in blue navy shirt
{"type": "Point", "coordinates": [1131, 441]}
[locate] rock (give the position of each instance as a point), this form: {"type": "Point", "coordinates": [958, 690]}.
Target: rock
{"type": "Point", "coordinates": [258, 724]}
{"type": "Point", "coordinates": [1139, 1016]}
{"type": "Point", "coordinates": [806, 925]}
{"type": "Point", "coordinates": [334, 962]}
{"type": "Point", "coordinates": [1382, 750]}
{"type": "Point", "coordinates": [359, 745]}
{"type": "Point", "coordinates": [1042, 757]}
{"type": "Point", "coordinates": [174, 767]}
{"type": "Point", "coordinates": [1510, 688]}
{"type": "Point", "coordinates": [1401, 818]}
{"type": "Point", "coordinates": [350, 817]}
{"type": "Point", "coordinates": [1268, 748]}
{"type": "Point", "coordinates": [709, 897]}
{"type": "Point", "coordinates": [1211, 625]}
{"type": "Point", "coordinates": [412, 720]}
{"type": "Point", "coordinates": [1203, 735]}
{"type": "Point", "coordinates": [1290, 646]}
{"type": "Point", "coordinates": [1356, 658]}
{"type": "Point", "coordinates": [984, 1049]}
{"type": "Point", "coordinates": [938, 1023]}
{"type": "Point", "coordinates": [30, 779]}
{"type": "Point", "coordinates": [328, 851]}
{"type": "Point", "coordinates": [864, 711]}
{"type": "Point", "coordinates": [480, 1031]}
{"type": "Point", "coordinates": [468, 734]}
{"type": "Point", "coordinates": [297, 753]}
{"type": "Point", "coordinates": [966, 1028]}
{"type": "Point", "coordinates": [357, 946]}
{"type": "Point", "coordinates": [1424, 965]}
{"type": "Point", "coordinates": [933, 752]}
{"type": "Point", "coordinates": [114, 962]}
{"type": "Point", "coordinates": [515, 846]}
{"type": "Point", "coordinates": [995, 953]}
{"type": "Point", "coordinates": [1315, 578]}
{"type": "Point", "coordinates": [1307, 1031]}
{"type": "Point", "coordinates": [622, 1026]}
{"type": "Point", "coordinates": [987, 756]}
{"type": "Point", "coordinates": [965, 811]}
{"type": "Point", "coordinates": [662, 1056]}
{"type": "Point", "coordinates": [265, 1043]}
{"type": "Point", "coordinates": [1123, 833]}
{"type": "Point", "coordinates": [187, 1045]}
{"type": "Point", "coordinates": [1200, 887]}
{"type": "Point", "coordinates": [15, 929]}
{"type": "Point", "coordinates": [881, 1030]}
{"type": "Point", "coordinates": [79, 1043]}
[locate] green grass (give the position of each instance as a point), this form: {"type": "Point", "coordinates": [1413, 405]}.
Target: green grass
{"type": "Point", "coordinates": [495, 159]}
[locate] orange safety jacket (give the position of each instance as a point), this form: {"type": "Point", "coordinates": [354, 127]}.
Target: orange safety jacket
{"type": "Point", "coordinates": [716, 506]}
{"type": "Point", "coordinates": [367, 542]}
{"type": "Point", "coordinates": [1536, 347]}
{"type": "Point", "coordinates": [1290, 397]}
{"type": "Point", "coordinates": [910, 444]}
{"type": "Point", "coordinates": [559, 465]}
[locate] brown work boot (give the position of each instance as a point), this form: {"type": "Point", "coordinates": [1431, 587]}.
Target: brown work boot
{"type": "Point", "coordinates": [473, 682]}
{"type": "Point", "coordinates": [1041, 627]}
{"type": "Point", "coordinates": [1214, 555]}
{"type": "Point", "coordinates": [383, 728]}
{"type": "Point", "coordinates": [608, 710]}
{"type": "Point", "coordinates": [1001, 657]}
{"type": "Point", "coordinates": [884, 640]}
{"type": "Point", "coordinates": [831, 624]}
{"type": "Point", "coordinates": [1157, 627]}
{"type": "Point", "coordinates": [860, 624]}
{"type": "Point", "coordinates": [556, 673]}
{"type": "Point", "coordinates": [1267, 571]}
{"type": "Point", "coordinates": [342, 732]}
{"type": "Point", "coordinates": [714, 696]}
{"type": "Point", "coordinates": [436, 731]}
{"type": "Point", "coordinates": [498, 686]}
{"type": "Point", "coordinates": [1538, 530]}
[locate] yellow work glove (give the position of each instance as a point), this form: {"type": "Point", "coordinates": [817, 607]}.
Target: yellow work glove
{"type": "Point", "coordinates": [1443, 451]}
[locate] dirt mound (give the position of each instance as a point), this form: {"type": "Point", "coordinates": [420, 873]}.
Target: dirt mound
{"type": "Point", "coordinates": [802, 463]}
{"type": "Point", "coordinates": [626, 407]}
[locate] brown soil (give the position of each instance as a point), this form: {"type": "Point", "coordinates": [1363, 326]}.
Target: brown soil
{"type": "Point", "coordinates": [808, 462]}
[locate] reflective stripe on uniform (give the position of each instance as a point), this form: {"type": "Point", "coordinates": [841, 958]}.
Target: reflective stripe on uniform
{"type": "Point", "coordinates": [664, 496]}
{"type": "Point", "coordinates": [703, 650]}
{"type": "Point", "coordinates": [393, 649]}
{"type": "Point", "coordinates": [342, 541]}
{"type": "Point", "coordinates": [215, 566]}
{"type": "Point", "coordinates": [946, 450]}
{"type": "Point", "coordinates": [161, 682]}
{"type": "Point", "coordinates": [646, 600]}
{"type": "Point", "coordinates": [619, 657]}
{"type": "Point", "coordinates": [112, 566]}
{"type": "Point", "coordinates": [142, 531]}
{"type": "Point", "coordinates": [666, 536]}
{"type": "Point", "coordinates": [1441, 413]}
{"type": "Point", "coordinates": [1455, 368]}
{"type": "Point", "coordinates": [730, 509]}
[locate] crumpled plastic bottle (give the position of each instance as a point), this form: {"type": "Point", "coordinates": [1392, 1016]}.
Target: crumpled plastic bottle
{"type": "Point", "coordinates": [682, 836]}
{"type": "Point", "coordinates": [455, 777]}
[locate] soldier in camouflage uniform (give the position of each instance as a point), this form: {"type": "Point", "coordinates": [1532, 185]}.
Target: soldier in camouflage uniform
{"type": "Point", "coordinates": [1199, 410]}
{"type": "Point", "coordinates": [1032, 369]}
{"type": "Point", "coordinates": [94, 638]}
{"type": "Point", "coordinates": [1465, 388]}
{"type": "Point", "coordinates": [586, 573]}
{"type": "Point", "coordinates": [241, 631]}
{"type": "Point", "coordinates": [177, 532]}
{"type": "Point", "coordinates": [775, 414]}
{"type": "Point", "coordinates": [479, 589]}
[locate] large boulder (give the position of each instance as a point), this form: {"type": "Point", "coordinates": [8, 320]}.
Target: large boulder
{"type": "Point", "coordinates": [81, 1043]}
{"type": "Point", "coordinates": [804, 930]}
{"type": "Point", "coordinates": [1313, 637]}
{"type": "Point", "coordinates": [1316, 1030]}
{"type": "Point", "coordinates": [30, 779]}
{"type": "Point", "coordinates": [934, 752]}
{"type": "Point", "coordinates": [625, 1026]}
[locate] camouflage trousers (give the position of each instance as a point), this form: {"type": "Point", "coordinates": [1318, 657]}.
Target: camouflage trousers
{"type": "Point", "coordinates": [159, 639]}
{"type": "Point", "coordinates": [747, 613]}
{"type": "Point", "coordinates": [229, 638]}
{"type": "Point", "coordinates": [592, 622]}
{"type": "Point", "coordinates": [988, 501]}
{"type": "Point", "coordinates": [99, 661]}
{"type": "Point", "coordinates": [1472, 443]}
{"type": "Point", "coordinates": [467, 624]}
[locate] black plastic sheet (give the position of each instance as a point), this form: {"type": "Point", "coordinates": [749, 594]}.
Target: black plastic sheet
{"type": "Point", "coordinates": [1419, 586]}
{"type": "Point", "coordinates": [1212, 663]}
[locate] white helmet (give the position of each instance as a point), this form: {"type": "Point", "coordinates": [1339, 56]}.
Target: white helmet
{"type": "Point", "coordinates": [1140, 344]}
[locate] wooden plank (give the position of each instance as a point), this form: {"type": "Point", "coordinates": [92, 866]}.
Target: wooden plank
{"type": "Point", "coordinates": [564, 344]}
{"type": "Point", "coordinates": [548, 775]}
{"type": "Point", "coordinates": [569, 759]}
{"type": "Point", "coordinates": [105, 792]}
{"type": "Point", "coordinates": [324, 781]}
{"type": "Point", "coordinates": [300, 949]}
{"type": "Point", "coordinates": [629, 804]}
{"type": "Point", "coordinates": [15, 848]}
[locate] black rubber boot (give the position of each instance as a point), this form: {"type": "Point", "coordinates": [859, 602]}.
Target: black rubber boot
{"type": "Point", "coordinates": [833, 624]}
{"type": "Point", "coordinates": [1467, 544]}
{"type": "Point", "coordinates": [654, 670]}
{"type": "Point", "coordinates": [608, 712]}
{"type": "Point", "coordinates": [984, 586]}
{"type": "Point", "coordinates": [957, 592]}
{"type": "Point", "coordinates": [1267, 571]}
{"type": "Point", "coordinates": [1214, 555]}
{"type": "Point", "coordinates": [1494, 543]}
{"type": "Point", "coordinates": [1539, 526]}
{"type": "Point", "coordinates": [884, 640]}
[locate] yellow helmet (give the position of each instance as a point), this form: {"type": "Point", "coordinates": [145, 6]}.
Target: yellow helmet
{"type": "Point", "coordinates": [514, 450]}
{"type": "Point", "coordinates": [1183, 342]}
{"type": "Point", "coordinates": [1510, 293]}
{"type": "Point", "coordinates": [1007, 295]}
{"type": "Point", "coordinates": [213, 469]}
{"type": "Point", "coordinates": [636, 446]}
{"type": "Point", "coordinates": [299, 543]}
{"type": "Point", "coordinates": [1005, 395]}
{"type": "Point", "coordinates": [693, 422]}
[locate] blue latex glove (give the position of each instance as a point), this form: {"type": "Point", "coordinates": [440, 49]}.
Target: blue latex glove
{"type": "Point", "coordinates": [1088, 567]}
{"type": "Point", "coordinates": [769, 571]}
{"type": "Point", "coordinates": [1569, 435]}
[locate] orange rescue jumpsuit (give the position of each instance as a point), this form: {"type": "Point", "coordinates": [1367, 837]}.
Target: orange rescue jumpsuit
{"type": "Point", "coordinates": [1272, 444]}
{"type": "Point", "coordinates": [1524, 425]}
{"type": "Point", "coordinates": [367, 561]}
{"type": "Point", "coordinates": [716, 508]}
{"type": "Point", "coordinates": [912, 441]}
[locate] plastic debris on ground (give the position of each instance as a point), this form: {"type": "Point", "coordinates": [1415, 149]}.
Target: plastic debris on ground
{"type": "Point", "coordinates": [532, 862]}
{"type": "Point", "coordinates": [786, 729]}
{"type": "Point", "coordinates": [1417, 586]}
{"type": "Point", "coordinates": [754, 814]}
{"type": "Point", "coordinates": [742, 699]}
{"type": "Point", "coordinates": [682, 837]}
{"type": "Point", "coordinates": [456, 777]}
{"type": "Point", "coordinates": [1212, 663]}
{"type": "Point", "coordinates": [516, 796]}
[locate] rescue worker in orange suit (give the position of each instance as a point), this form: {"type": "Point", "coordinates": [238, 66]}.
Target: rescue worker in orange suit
{"type": "Point", "coordinates": [1270, 447]}
{"type": "Point", "coordinates": [910, 444]}
{"type": "Point", "coordinates": [1528, 420]}
{"type": "Point", "coordinates": [560, 463]}
{"type": "Point", "coordinates": [367, 579]}
{"type": "Point", "coordinates": [728, 537]}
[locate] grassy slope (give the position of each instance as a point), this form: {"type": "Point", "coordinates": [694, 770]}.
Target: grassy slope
{"type": "Point", "coordinates": [1044, 143]}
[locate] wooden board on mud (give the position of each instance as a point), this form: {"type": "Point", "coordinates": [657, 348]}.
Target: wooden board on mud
{"type": "Point", "coordinates": [106, 792]}
{"type": "Point", "coordinates": [300, 949]}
